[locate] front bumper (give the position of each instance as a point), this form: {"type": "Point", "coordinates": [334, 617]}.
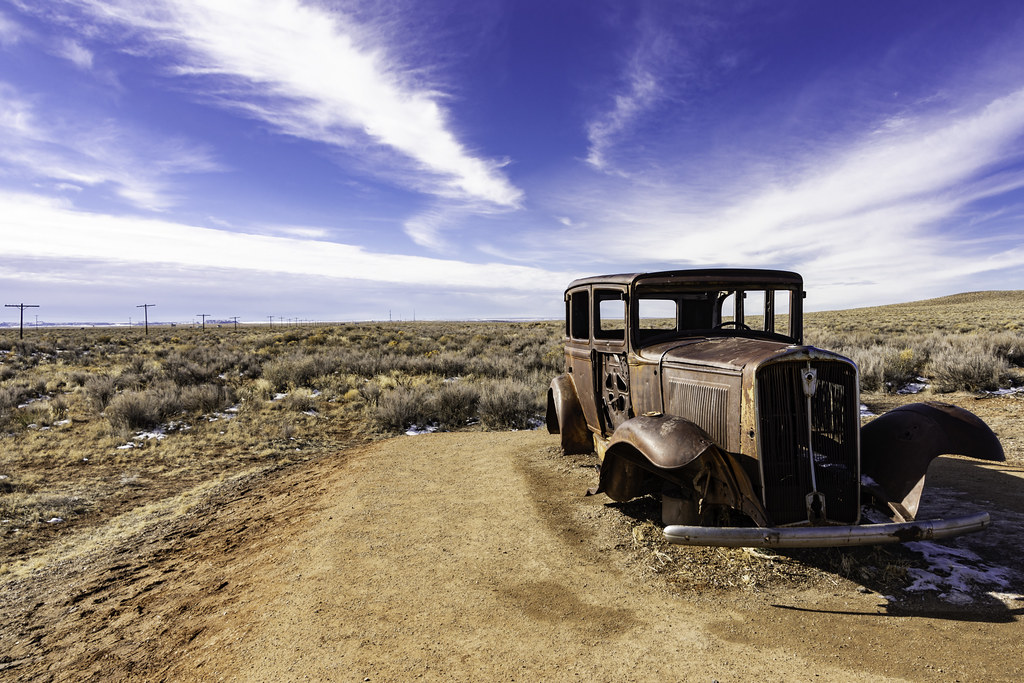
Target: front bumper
{"type": "Point", "coordinates": [826, 536]}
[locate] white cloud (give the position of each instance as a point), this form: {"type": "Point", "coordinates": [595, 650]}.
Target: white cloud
{"type": "Point", "coordinates": [640, 93]}
{"type": "Point", "coordinates": [75, 53]}
{"type": "Point", "coordinates": [77, 152]}
{"type": "Point", "coordinates": [11, 32]}
{"type": "Point", "coordinates": [310, 73]}
{"type": "Point", "coordinates": [42, 228]}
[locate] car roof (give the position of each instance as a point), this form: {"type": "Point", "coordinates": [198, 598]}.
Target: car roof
{"type": "Point", "coordinates": [700, 276]}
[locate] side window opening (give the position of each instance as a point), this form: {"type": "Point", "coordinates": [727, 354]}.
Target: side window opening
{"type": "Point", "coordinates": [726, 309]}
{"type": "Point", "coordinates": [578, 315]}
{"type": "Point", "coordinates": [755, 310]}
{"type": "Point", "coordinates": [782, 304]}
{"type": "Point", "coordinates": [610, 315]}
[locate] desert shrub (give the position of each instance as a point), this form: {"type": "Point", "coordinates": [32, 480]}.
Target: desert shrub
{"type": "Point", "coordinates": [7, 372]}
{"type": "Point", "coordinates": [1007, 345]}
{"type": "Point", "coordinates": [400, 408]}
{"type": "Point", "coordinates": [258, 390]}
{"type": "Point", "coordinates": [100, 389]}
{"type": "Point", "coordinates": [300, 400]}
{"type": "Point", "coordinates": [145, 409]}
{"type": "Point", "coordinates": [454, 405]}
{"type": "Point", "coordinates": [370, 390]}
{"type": "Point", "coordinates": [509, 404]}
{"type": "Point", "coordinates": [900, 367]}
{"type": "Point", "coordinates": [12, 395]}
{"type": "Point", "coordinates": [299, 369]}
{"type": "Point", "coordinates": [184, 372]}
{"type": "Point", "coordinates": [77, 378]}
{"type": "Point", "coordinates": [968, 369]}
{"type": "Point", "coordinates": [206, 398]}
{"type": "Point", "coordinates": [58, 408]}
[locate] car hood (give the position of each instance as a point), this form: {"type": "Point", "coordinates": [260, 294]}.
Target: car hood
{"type": "Point", "coordinates": [728, 353]}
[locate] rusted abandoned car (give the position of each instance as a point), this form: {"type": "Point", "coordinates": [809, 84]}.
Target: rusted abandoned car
{"type": "Point", "coordinates": [695, 386]}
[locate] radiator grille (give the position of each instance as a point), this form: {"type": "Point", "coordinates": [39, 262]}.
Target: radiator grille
{"type": "Point", "coordinates": [835, 422]}
{"type": "Point", "coordinates": [705, 405]}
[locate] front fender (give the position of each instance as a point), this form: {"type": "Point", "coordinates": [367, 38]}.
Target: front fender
{"type": "Point", "coordinates": [675, 450]}
{"type": "Point", "coordinates": [898, 447]}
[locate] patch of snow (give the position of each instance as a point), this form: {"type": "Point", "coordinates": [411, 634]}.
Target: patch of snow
{"type": "Point", "coordinates": [278, 397]}
{"type": "Point", "coordinates": [59, 423]}
{"type": "Point", "coordinates": [914, 387]}
{"type": "Point", "coordinates": [1005, 392]}
{"type": "Point", "coordinates": [54, 520]}
{"type": "Point", "coordinates": [865, 411]}
{"type": "Point", "coordinates": [3, 476]}
{"type": "Point", "coordinates": [955, 572]}
{"type": "Point", "coordinates": [415, 430]}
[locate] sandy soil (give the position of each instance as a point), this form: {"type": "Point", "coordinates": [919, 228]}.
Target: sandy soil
{"type": "Point", "coordinates": [471, 556]}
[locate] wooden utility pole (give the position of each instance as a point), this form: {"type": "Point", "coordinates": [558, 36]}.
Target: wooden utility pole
{"type": "Point", "coordinates": [234, 319]}
{"type": "Point", "coordinates": [271, 320]}
{"type": "Point", "coordinates": [204, 316]}
{"type": "Point", "coordinates": [21, 325]}
{"type": "Point", "coordinates": [145, 308]}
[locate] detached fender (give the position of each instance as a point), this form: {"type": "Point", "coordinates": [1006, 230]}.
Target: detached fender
{"type": "Point", "coordinates": [678, 451]}
{"type": "Point", "coordinates": [898, 447]}
{"type": "Point", "coordinates": [565, 416]}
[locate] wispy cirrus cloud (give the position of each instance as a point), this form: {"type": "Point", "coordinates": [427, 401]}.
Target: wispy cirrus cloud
{"type": "Point", "coordinates": [655, 71]}
{"type": "Point", "coordinates": [314, 74]}
{"type": "Point", "coordinates": [11, 32]}
{"type": "Point", "coordinates": [72, 152]}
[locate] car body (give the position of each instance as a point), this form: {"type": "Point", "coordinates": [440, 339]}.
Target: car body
{"type": "Point", "coordinates": [695, 386]}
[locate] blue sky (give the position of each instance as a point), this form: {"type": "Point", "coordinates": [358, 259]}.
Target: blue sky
{"type": "Point", "coordinates": [468, 158]}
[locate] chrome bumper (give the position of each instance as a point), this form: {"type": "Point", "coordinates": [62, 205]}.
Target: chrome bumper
{"type": "Point", "coordinates": [826, 536]}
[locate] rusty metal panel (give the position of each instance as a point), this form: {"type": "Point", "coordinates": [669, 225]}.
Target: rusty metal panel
{"type": "Point", "coordinates": [704, 404]}
{"type": "Point", "coordinates": [645, 387]}
{"type": "Point", "coordinates": [578, 364]}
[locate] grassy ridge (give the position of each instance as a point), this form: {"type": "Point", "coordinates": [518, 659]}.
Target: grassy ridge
{"type": "Point", "coordinates": [993, 311]}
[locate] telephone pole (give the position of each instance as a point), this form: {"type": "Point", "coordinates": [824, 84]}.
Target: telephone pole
{"type": "Point", "coordinates": [145, 308]}
{"type": "Point", "coordinates": [234, 319]}
{"type": "Point", "coordinates": [204, 316]}
{"type": "Point", "coordinates": [21, 325]}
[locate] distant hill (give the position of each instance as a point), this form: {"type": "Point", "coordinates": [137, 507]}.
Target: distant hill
{"type": "Point", "coordinates": [994, 311]}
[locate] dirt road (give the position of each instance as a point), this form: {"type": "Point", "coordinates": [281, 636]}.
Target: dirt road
{"type": "Point", "coordinates": [459, 556]}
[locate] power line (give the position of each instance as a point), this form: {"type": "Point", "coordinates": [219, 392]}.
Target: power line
{"type": "Point", "coordinates": [204, 316]}
{"type": "Point", "coordinates": [21, 325]}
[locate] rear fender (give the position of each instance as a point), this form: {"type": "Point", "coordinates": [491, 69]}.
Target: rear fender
{"type": "Point", "coordinates": [677, 451]}
{"type": "Point", "coordinates": [565, 416]}
{"type": "Point", "coordinates": [898, 447]}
